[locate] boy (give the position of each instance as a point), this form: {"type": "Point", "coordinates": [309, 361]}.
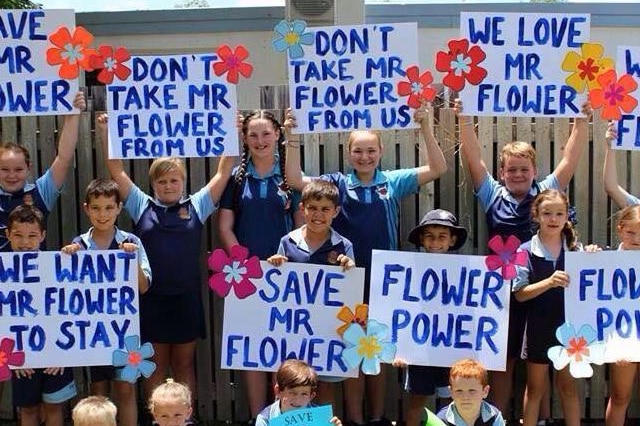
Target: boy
{"type": "Point", "coordinates": [103, 205]}
{"type": "Point", "coordinates": [94, 411]}
{"type": "Point", "coordinates": [46, 388]}
{"type": "Point", "coordinates": [438, 232]}
{"type": "Point", "coordinates": [469, 384]}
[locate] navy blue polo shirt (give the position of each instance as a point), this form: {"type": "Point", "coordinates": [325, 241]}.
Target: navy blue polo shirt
{"type": "Point", "coordinates": [294, 246]}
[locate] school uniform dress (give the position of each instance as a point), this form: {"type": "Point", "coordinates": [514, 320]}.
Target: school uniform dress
{"type": "Point", "coordinates": [263, 213]}
{"type": "Point", "coordinates": [41, 194]}
{"type": "Point", "coordinates": [546, 311]}
{"type": "Point", "coordinates": [506, 216]}
{"type": "Point", "coordinates": [171, 311]}
{"type": "Point", "coordinates": [489, 416]}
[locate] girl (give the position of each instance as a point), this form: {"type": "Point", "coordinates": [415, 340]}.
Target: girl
{"type": "Point", "coordinates": [257, 195]}
{"type": "Point", "coordinates": [170, 404]}
{"type": "Point", "coordinates": [623, 373]}
{"type": "Point", "coordinates": [542, 284]}
{"type": "Point", "coordinates": [369, 210]}
{"type": "Point", "coordinates": [170, 226]}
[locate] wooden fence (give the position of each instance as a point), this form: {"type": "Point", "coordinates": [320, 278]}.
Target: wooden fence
{"type": "Point", "coordinates": [220, 394]}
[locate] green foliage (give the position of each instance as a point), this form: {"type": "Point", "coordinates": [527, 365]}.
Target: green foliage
{"type": "Point", "coordinates": [192, 4]}
{"type": "Point", "coordinates": [19, 4]}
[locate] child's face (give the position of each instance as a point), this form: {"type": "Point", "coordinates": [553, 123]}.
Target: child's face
{"type": "Point", "coordinates": [629, 234]}
{"type": "Point", "coordinates": [168, 187]}
{"type": "Point", "coordinates": [518, 173]}
{"type": "Point", "coordinates": [365, 153]}
{"type": "Point", "coordinates": [102, 212]}
{"type": "Point", "coordinates": [13, 171]}
{"type": "Point", "coordinates": [467, 394]}
{"type": "Point", "coordinates": [292, 398]}
{"type": "Point", "coordinates": [437, 239]}
{"type": "Point", "coordinates": [318, 214]}
{"type": "Point", "coordinates": [25, 236]}
{"type": "Point", "coordinates": [261, 138]}
{"type": "Point", "coordinates": [552, 216]}
{"type": "Point", "coordinates": [171, 413]}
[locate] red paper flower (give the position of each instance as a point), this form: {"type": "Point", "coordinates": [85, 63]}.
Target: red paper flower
{"type": "Point", "coordinates": [71, 52]}
{"type": "Point", "coordinates": [9, 357]}
{"type": "Point", "coordinates": [507, 256]}
{"type": "Point", "coordinates": [461, 64]}
{"type": "Point", "coordinates": [234, 271]}
{"type": "Point", "coordinates": [111, 63]}
{"type": "Point", "coordinates": [232, 63]}
{"type": "Point", "coordinates": [614, 95]}
{"type": "Point", "coordinates": [417, 88]}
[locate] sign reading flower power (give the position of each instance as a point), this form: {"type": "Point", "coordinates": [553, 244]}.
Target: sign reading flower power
{"type": "Point", "coordinates": [518, 64]}
{"type": "Point", "coordinates": [345, 77]}
{"type": "Point", "coordinates": [63, 310]}
{"type": "Point", "coordinates": [441, 308]}
{"type": "Point", "coordinates": [627, 92]}
{"type": "Point", "coordinates": [32, 57]}
{"type": "Point", "coordinates": [174, 106]}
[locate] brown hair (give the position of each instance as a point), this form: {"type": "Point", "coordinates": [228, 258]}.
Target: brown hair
{"type": "Point", "coordinates": [517, 149]}
{"type": "Point", "coordinates": [318, 189]}
{"type": "Point", "coordinates": [355, 133]}
{"type": "Point", "coordinates": [94, 410]}
{"type": "Point", "coordinates": [26, 214]}
{"type": "Point", "coordinates": [102, 188]}
{"type": "Point", "coordinates": [18, 149]}
{"type": "Point", "coordinates": [569, 233]}
{"type": "Point", "coordinates": [163, 165]}
{"type": "Point", "coordinates": [170, 392]}
{"type": "Point", "coordinates": [469, 369]}
{"type": "Point", "coordinates": [293, 373]}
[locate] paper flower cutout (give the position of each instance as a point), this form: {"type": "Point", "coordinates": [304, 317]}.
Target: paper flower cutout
{"type": "Point", "coordinates": [232, 63]}
{"type": "Point", "coordinates": [71, 52]}
{"type": "Point", "coordinates": [418, 88]}
{"type": "Point", "coordinates": [346, 315]}
{"type": "Point", "coordinates": [291, 35]}
{"type": "Point", "coordinates": [110, 63]}
{"type": "Point", "coordinates": [579, 350]}
{"type": "Point", "coordinates": [587, 67]}
{"type": "Point", "coordinates": [134, 359]}
{"type": "Point", "coordinates": [234, 271]}
{"type": "Point", "coordinates": [614, 95]}
{"type": "Point", "coordinates": [507, 256]}
{"type": "Point", "coordinates": [368, 348]}
{"type": "Point", "coordinates": [461, 64]}
{"type": "Point", "coordinates": [9, 357]}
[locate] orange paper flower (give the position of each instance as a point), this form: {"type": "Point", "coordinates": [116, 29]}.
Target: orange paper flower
{"type": "Point", "coordinates": [614, 95]}
{"type": "Point", "coordinates": [111, 63]}
{"type": "Point", "coordinates": [347, 316]}
{"type": "Point", "coordinates": [232, 63]}
{"type": "Point", "coordinates": [72, 52]}
{"type": "Point", "coordinates": [418, 88]}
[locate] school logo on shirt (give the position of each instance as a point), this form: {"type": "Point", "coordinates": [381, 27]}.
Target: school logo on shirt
{"type": "Point", "coordinates": [383, 192]}
{"type": "Point", "coordinates": [285, 195]}
{"type": "Point", "coordinates": [332, 257]}
{"type": "Point", "coordinates": [183, 213]}
{"type": "Point", "coordinates": [27, 200]}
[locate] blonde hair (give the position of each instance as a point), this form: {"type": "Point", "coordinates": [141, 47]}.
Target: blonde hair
{"type": "Point", "coordinates": [161, 166]}
{"type": "Point", "coordinates": [469, 369]}
{"type": "Point", "coordinates": [170, 392]}
{"type": "Point", "coordinates": [354, 135]}
{"type": "Point", "coordinates": [517, 149]}
{"type": "Point", "coordinates": [94, 410]}
{"type": "Point", "coordinates": [626, 215]}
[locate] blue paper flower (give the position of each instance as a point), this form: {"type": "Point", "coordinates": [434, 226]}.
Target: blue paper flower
{"type": "Point", "coordinates": [134, 359]}
{"type": "Point", "coordinates": [578, 350]}
{"type": "Point", "coordinates": [368, 348]}
{"type": "Point", "coordinates": [290, 35]}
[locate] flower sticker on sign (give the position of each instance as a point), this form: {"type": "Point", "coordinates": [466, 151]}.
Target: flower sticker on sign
{"type": "Point", "coordinates": [614, 95]}
{"type": "Point", "coordinates": [110, 62]}
{"type": "Point", "coordinates": [346, 315]}
{"type": "Point", "coordinates": [418, 88]}
{"type": "Point", "coordinates": [368, 347]}
{"type": "Point", "coordinates": [71, 52]}
{"type": "Point", "coordinates": [234, 271]}
{"type": "Point", "coordinates": [461, 64]}
{"type": "Point", "coordinates": [232, 63]}
{"type": "Point", "coordinates": [586, 67]}
{"type": "Point", "coordinates": [507, 256]}
{"type": "Point", "coordinates": [134, 359]}
{"type": "Point", "coordinates": [290, 36]}
{"type": "Point", "coordinates": [9, 357]}
{"type": "Point", "coordinates": [578, 350]}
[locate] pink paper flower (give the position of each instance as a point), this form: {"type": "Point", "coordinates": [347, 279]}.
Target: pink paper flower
{"type": "Point", "coordinates": [234, 271]}
{"type": "Point", "coordinates": [614, 95]}
{"type": "Point", "coordinates": [418, 88]}
{"type": "Point", "coordinates": [9, 357]}
{"type": "Point", "coordinates": [461, 64]}
{"type": "Point", "coordinates": [507, 256]}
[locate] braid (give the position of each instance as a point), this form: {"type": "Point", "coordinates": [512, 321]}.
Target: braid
{"type": "Point", "coordinates": [240, 175]}
{"type": "Point", "coordinates": [282, 154]}
{"type": "Point", "coordinates": [570, 236]}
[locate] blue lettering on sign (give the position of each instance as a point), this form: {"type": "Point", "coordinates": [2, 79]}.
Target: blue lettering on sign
{"type": "Point", "coordinates": [36, 338]}
{"type": "Point", "coordinates": [342, 119]}
{"type": "Point", "coordinates": [302, 287]}
{"type": "Point", "coordinates": [632, 67]}
{"type": "Point", "coordinates": [208, 96]}
{"type": "Point", "coordinates": [540, 99]}
{"type": "Point", "coordinates": [490, 34]}
{"type": "Point", "coordinates": [83, 334]}
{"type": "Point", "coordinates": [76, 301]}
{"type": "Point", "coordinates": [388, 67]}
{"type": "Point", "coordinates": [292, 319]}
{"type": "Point", "coordinates": [160, 69]}
{"type": "Point", "coordinates": [15, 23]}
{"type": "Point", "coordinates": [527, 66]}
{"type": "Point", "coordinates": [369, 93]}
{"type": "Point", "coordinates": [18, 303]}
{"type": "Point", "coordinates": [623, 128]}
{"type": "Point", "coordinates": [326, 70]}
{"type": "Point", "coordinates": [20, 271]}
{"type": "Point", "coordinates": [621, 284]}
{"type": "Point", "coordinates": [340, 42]}
{"type": "Point", "coordinates": [34, 96]}
{"type": "Point", "coordinates": [556, 32]}
{"type": "Point", "coordinates": [16, 59]}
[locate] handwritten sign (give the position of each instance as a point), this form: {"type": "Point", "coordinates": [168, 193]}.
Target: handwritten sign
{"type": "Point", "coordinates": [524, 59]}
{"type": "Point", "coordinates": [28, 85]}
{"type": "Point", "coordinates": [172, 106]}
{"type": "Point", "coordinates": [310, 416]}
{"type": "Point", "coordinates": [68, 310]}
{"type": "Point", "coordinates": [292, 315]}
{"type": "Point", "coordinates": [441, 307]}
{"type": "Point", "coordinates": [628, 62]}
{"type": "Point", "coordinates": [347, 78]}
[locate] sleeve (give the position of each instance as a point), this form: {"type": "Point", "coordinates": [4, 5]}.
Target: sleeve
{"type": "Point", "coordinates": [522, 278]}
{"type": "Point", "coordinates": [632, 200]}
{"type": "Point", "coordinates": [136, 202]}
{"type": "Point", "coordinates": [143, 260]}
{"type": "Point", "coordinates": [203, 204]}
{"type": "Point", "coordinates": [404, 181]}
{"type": "Point", "coordinates": [281, 249]}
{"type": "Point", "coordinates": [78, 240]}
{"type": "Point", "coordinates": [47, 189]}
{"type": "Point", "coordinates": [261, 420]}
{"type": "Point", "coordinates": [499, 420]}
{"type": "Point", "coordinates": [348, 248]}
{"type": "Point", "coordinates": [488, 192]}
{"type": "Point", "coordinates": [550, 182]}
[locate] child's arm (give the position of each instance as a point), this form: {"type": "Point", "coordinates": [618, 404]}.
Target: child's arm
{"type": "Point", "coordinates": [277, 260]}
{"type": "Point", "coordinates": [71, 248]}
{"type": "Point", "coordinates": [293, 169]}
{"type": "Point", "coordinates": [346, 262]}
{"type": "Point", "coordinates": [610, 173]}
{"type": "Point", "coordinates": [226, 220]}
{"type": "Point", "coordinates": [67, 142]}
{"type": "Point", "coordinates": [435, 165]}
{"type": "Point", "coordinates": [143, 279]}
{"type": "Point", "coordinates": [218, 182]}
{"type": "Point", "coordinates": [470, 147]}
{"type": "Point", "coordinates": [573, 149]}
{"type": "Point", "coordinates": [530, 291]}
{"type": "Point", "coordinates": [115, 166]}
{"type": "Point", "coordinates": [335, 421]}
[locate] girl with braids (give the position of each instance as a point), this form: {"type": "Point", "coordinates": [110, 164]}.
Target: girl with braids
{"type": "Point", "coordinates": [257, 209]}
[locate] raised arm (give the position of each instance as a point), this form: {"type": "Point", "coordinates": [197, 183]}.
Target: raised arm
{"type": "Point", "coordinates": [293, 169]}
{"type": "Point", "coordinates": [610, 172]}
{"type": "Point", "coordinates": [573, 149]}
{"type": "Point", "coordinates": [218, 182]}
{"type": "Point", "coordinates": [67, 142]}
{"type": "Point", "coordinates": [434, 165]}
{"type": "Point", "coordinates": [470, 147]}
{"type": "Point", "coordinates": [115, 166]}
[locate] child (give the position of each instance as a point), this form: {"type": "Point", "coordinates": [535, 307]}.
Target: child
{"type": "Point", "coordinates": [15, 166]}
{"type": "Point", "coordinates": [469, 384]}
{"type": "Point", "coordinates": [258, 194]}
{"type": "Point", "coordinates": [94, 411]}
{"type": "Point", "coordinates": [541, 283]}
{"type": "Point", "coordinates": [103, 205]}
{"type": "Point", "coordinates": [610, 175]}
{"type": "Point", "coordinates": [316, 242]}
{"type": "Point", "coordinates": [295, 387]}
{"type": "Point", "coordinates": [438, 232]}
{"type": "Point", "coordinates": [170, 404]}
{"type": "Point", "coordinates": [46, 388]}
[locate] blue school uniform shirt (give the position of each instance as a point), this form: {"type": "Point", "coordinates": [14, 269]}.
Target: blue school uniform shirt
{"type": "Point", "coordinates": [632, 200]}
{"type": "Point", "coordinates": [489, 416]}
{"type": "Point", "coordinates": [172, 237]}
{"type": "Point", "coordinates": [41, 194]}
{"type": "Point", "coordinates": [270, 412]}
{"type": "Point", "coordinates": [369, 213]}
{"type": "Point", "coordinates": [263, 212]}
{"type": "Point", "coordinates": [296, 249]}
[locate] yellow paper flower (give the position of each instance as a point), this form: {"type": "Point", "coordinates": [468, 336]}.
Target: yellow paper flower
{"type": "Point", "coordinates": [587, 68]}
{"type": "Point", "coordinates": [347, 316]}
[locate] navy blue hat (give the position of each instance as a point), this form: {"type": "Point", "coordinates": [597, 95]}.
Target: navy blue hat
{"type": "Point", "coordinates": [441, 218]}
